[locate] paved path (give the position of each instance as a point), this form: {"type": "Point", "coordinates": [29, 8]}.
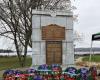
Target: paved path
{"type": "Point", "coordinates": [79, 59]}
{"type": "Point", "coordinates": [1, 72]}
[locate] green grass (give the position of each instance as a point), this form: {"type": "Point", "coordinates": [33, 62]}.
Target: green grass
{"type": "Point", "coordinates": [94, 58]}
{"type": "Point", "coordinates": [12, 62]}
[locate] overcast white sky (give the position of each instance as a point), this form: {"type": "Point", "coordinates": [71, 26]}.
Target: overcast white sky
{"type": "Point", "coordinates": [88, 20]}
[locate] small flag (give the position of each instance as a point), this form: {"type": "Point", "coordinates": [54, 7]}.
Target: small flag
{"type": "Point", "coordinates": [96, 36]}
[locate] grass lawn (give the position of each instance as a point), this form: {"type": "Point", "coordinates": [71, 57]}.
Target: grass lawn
{"type": "Point", "coordinates": [94, 58]}
{"type": "Point", "coordinates": [12, 62]}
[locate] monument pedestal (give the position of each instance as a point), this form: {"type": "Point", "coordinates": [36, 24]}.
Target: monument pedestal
{"type": "Point", "coordinates": [52, 37]}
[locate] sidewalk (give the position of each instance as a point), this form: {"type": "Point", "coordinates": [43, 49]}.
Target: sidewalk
{"type": "Point", "coordinates": [1, 72]}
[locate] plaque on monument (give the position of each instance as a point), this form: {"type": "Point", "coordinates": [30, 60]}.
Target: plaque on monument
{"type": "Point", "coordinates": [53, 32]}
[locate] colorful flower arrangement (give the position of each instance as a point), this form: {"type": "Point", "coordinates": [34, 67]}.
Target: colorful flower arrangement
{"type": "Point", "coordinates": [51, 72]}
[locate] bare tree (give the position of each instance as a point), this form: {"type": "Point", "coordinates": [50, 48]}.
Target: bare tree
{"type": "Point", "coordinates": [16, 15]}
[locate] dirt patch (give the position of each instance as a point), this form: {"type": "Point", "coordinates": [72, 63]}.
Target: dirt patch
{"type": "Point", "coordinates": [79, 62]}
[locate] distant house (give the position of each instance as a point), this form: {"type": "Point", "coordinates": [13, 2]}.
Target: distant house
{"type": "Point", "coordinates": [86, 51]}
